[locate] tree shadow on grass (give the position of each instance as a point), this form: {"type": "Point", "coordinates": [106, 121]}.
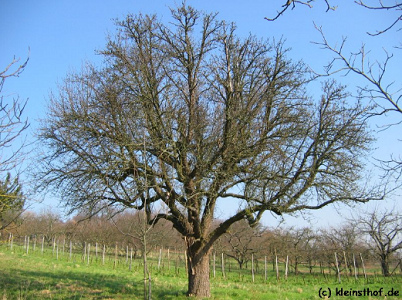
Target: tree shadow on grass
{"type": "Point", "coordinates": [40, 284]}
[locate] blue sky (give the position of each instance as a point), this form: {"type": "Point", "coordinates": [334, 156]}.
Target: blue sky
{"type": "Point", "coordinates": [61, 35]}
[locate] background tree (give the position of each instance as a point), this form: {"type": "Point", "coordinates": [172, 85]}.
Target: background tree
{"type": "Point", "coordinates": [385, 231]}
{"type": "Point", "coordinates": [346, 241]}
{"type": "Point", "coordinates": [241, 241]}
{"type": "Point", "coordinates": [223, 117]}
{"type": "Point", "coordinates": [298, 242]}
{"type": "Point", "coordinates": [12, 201]}
{"type": "Point", "coordinates": [382, 90]}
{"type": "Point", "coordinates": [12, 125]}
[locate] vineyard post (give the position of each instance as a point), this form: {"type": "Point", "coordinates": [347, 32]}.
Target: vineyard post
{"type": "Point", "coordinates": [337, 268]}
{"type": "Point", "coordinates": [131, 259]}
{"type": "Point", "coordinates": [168, 257]}
{"type": "Point", "coordinates": [214, 266]}
{"type": "Point", "coordinates": [103, 254]}
{"type": "Point", "coordinates": [276, 266]}
{"type": "Point", "coordinates": [354, 266]}
{"type": "Point", "coordinates": [364, 268]}
{"type": "Point", "coordinates": [346, 264]}
{"type": "Point", "coordinates": [71, 250]}
{"type": "Point", "coordinates": [84, 253]}
{"type": "Point", "coordinates": [287, 267]}
{"type": "Point", "coordinates": [252, 267]}
{"type": "Point", "coordinates": [115, 257]}
{"type": "Point", "coordinates": [160, 257]}
{"type": "Point", "coordinates": [223, 267]}
{"type": "Point", "coordinates": [185, 259]}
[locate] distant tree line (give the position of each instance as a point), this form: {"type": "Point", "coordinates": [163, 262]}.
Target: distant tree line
{"type": "Point", "coordinates": [376, 237]}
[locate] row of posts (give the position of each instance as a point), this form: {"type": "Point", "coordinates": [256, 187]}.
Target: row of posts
{"type": "Point", "coordinates": [129, 258]}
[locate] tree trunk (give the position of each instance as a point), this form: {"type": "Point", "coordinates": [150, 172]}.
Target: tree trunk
{"type": "Point", "coordinates": [198, 275]}
{"type": "Point", "coordinates": [385, 266]}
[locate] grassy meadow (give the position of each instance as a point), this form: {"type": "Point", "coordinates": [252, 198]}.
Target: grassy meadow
{"type": "Point", "coordinates": [48, 275]}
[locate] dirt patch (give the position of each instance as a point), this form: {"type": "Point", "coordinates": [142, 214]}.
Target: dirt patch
{"type": "Point", "coordinates": [45, 292]}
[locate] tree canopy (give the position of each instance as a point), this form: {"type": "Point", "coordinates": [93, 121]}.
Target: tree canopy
{"type": "Point", "coordinates": [182, 115]}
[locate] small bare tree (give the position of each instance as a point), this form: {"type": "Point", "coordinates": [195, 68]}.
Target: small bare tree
{"type": "Point", "coordinates": [241, 241]}
{"type": "Point", "coordinates": [384, 229]}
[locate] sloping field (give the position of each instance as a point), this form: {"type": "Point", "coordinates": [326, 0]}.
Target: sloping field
{"type": "Point", "coordinates": [43, 276]}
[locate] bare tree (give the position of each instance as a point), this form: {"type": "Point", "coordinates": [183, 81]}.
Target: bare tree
{"type": "Point", "coordinates": [292, 5]}
{"type": "Point", "coordinates": [343, 239]}
{"type": "Point", "coordinates": [385, 93]}
{"type": "Point", "coordinates": [385, 231]}
{"type": "Point", "coordinates": [241, 241]}
{"type": "Point", "coordinates": [298, 242]}
{"type": "Point", "coordinates": [12, 201]}
{"type": "Point", "coordinates": [12, 125]}
{"type": "Point", "coordinates": [394, 7]}
{"type": "Point", "coordinates": [223, 118]}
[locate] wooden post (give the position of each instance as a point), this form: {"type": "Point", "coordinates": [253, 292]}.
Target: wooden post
{"type": "Point", "coordinates": [252, 267]}
{"type": "Point", "coordinates": [276, 266]}
{"type": "Point", "coordinates": [115, 257]}
{"type": "Point", "coordinates": [57, 250]}
{"type": "Point", "coordinates": [185, 260]}
{"type": "Point", "coordinates": [346, 263]}
{"type": "Point", "coordinates": [89, 250]}
{"type": "Point", "coordinates": [177, 265]}
{"type": "Point", "coordinates": [34, 245]}
{"type": "Point", "coordinates": [265, 268]}
{"type": "Point", "coordinates": [168, 257]}
{"type": "Point", "coordinates": [214, 269]}
{"type": "Point", "coordinates": [223, 266]}
{"type": "Point", "coordinates": [354, 265]}
{"type": "Point", "coordinates": [85, 252]}
{"type": "Point", "coordinates": [337, 268]}
{"type": "Point", "coordinates": [364, 268]}
{"type": "Point", "coordinates": [96, 251]}
{"type": "Point", "coordinates": [27, 245]}
{"type": "Point", "coordinates": [127, 255]}
{"type": "Point", "coordinates": [286, 267]}
{"type": "Point", "coordinates": [43, 241]}
{"type": "Point", "coordinates": [160, 258]}
{"type": "Point", "coordinates": [131, 259]}
{"type": "Point", "coordinates": [71, 250]}
{"type": "Point", "coordinates": [103, 254]}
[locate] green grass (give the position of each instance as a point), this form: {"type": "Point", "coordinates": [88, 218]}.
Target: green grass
{"type": "Point", "coordinates": [41, 276]}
